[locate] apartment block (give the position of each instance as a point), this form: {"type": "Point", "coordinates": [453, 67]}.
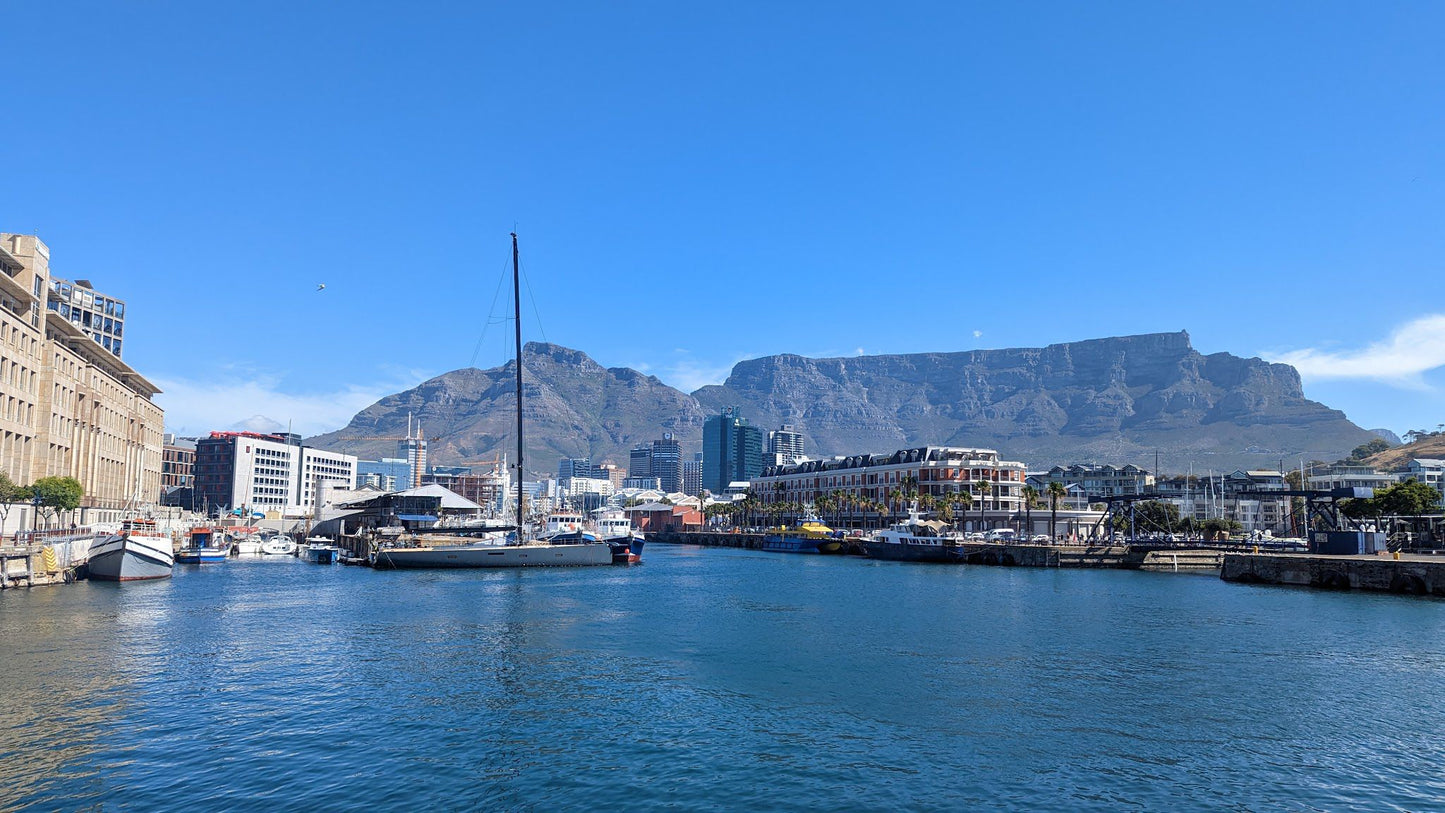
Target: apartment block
{"type": "Point", "coordinates": [69, 407]}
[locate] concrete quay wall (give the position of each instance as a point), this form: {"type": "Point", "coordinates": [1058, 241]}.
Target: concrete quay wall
{"type": "Point", "coordinates": [1409, 574]}
{"type": "Point", "coordinates": [1004, 555]}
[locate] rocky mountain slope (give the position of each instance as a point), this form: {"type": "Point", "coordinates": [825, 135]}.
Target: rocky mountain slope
{"type": "Point", "coordinates": [1429, 448]}
{"type": "Point", "coordinates": [1105, 400]}
{"type": "Point", "coordinates": [574, 408]}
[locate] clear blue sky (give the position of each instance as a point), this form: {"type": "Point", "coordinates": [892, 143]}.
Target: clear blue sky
{"type": "Point", "coordinates": [699, 183]}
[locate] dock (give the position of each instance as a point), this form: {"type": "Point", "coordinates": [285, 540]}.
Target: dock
{"type": "Point", "coordinates": [1413, 574]}
{"type": "Point", "coordinates": [42, 559]}
{"type": "Point", "coordinates": [999, 554]}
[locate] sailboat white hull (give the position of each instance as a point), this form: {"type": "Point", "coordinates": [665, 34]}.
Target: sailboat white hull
{"type": "Point", "coordinates": [495, 556]}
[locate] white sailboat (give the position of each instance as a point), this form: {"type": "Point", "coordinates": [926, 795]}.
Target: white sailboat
{"type": "Point", "coordinates": [466, 552]}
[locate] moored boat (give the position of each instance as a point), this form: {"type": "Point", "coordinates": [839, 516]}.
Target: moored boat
{"type": "Point", "coordinates": [914, 540]}
{"type": "Point", "coordinates": [566, 548]}
{"type": "Point", "coordinates": [279, 545]}
{"type": "Point", "coordinates": [248, 545]}
{"type": "Point", "coordinates": [137, 552]}
{"type": "Point", "coordinates": [810, 535]}
{"type": "Point", "coordinates": [319, 550]}
{"type": "Point", "coordinates": [615, 531]}
{"type": "Point", "coordinates": [204, 546]}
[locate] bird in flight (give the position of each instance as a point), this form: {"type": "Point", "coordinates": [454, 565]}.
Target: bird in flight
{"type": "Point", "coordinates": [321, 286]}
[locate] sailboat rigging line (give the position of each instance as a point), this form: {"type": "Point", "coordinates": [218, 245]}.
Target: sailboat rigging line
{"type": "Point", "coordinates": [477, 351]}
{"type": "Point", "coordinates": [535, 312]}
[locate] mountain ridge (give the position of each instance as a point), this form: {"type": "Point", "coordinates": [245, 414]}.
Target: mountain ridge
{"type": "Point", "coordinates": [1112, 399]}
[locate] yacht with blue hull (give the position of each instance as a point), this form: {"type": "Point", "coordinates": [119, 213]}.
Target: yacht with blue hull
{"type": "Point", "coordinates": [137, 553]}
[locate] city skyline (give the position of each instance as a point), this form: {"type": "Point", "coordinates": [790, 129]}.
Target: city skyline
{"type": "Point", "coordinates": [989, 177]}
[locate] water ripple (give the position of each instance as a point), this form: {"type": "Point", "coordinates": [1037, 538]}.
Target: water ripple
{"type": "Point", "coordinates": [716, 680]}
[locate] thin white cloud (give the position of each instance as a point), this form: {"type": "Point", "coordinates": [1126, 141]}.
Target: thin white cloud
{"type": "Point", "coordinates": [858, 351]}
{"type": "Point", "coordinates": [257, 402]}
{"type": "Point", "coordinates": [978, 334]}
{"type": "Point", "coordinates": [1412, 349]}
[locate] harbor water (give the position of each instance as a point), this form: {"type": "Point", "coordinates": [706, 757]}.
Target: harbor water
{"type": "Point", "coordinates": [717, 679]}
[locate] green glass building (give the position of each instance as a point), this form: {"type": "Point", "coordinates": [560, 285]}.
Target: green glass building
{"type": "Point", "coordinates": [732, 449]}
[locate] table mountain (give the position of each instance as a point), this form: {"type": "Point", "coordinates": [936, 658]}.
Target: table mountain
{"type": "Point", "coordinates": [1111, 400]}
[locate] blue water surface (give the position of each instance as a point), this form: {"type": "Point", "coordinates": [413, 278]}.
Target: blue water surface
{"type": "Point", "coordinates": [717, 679]}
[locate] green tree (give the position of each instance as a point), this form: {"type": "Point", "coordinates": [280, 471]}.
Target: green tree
{"type": "Point", "coordinates": [1365, 450]}
{"type": "Point", "coordinates": [57, 494]}
{"type": "Point", "coordinates": [1031, 496]}
{"type": "Point", "coordinates": [985, 490]}
{"type": "Point", "coordinates": [1056, 492]}
{"type": "Point", "coordinates": [1408, 499]}
{"type": "Point", "coordinates": [10, 494]}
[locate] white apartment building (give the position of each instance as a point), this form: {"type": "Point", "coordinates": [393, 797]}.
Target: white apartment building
{"type": "Point", "coordinates": [267, 473]}
{"type": "Point", "coordinates": [934, 471]}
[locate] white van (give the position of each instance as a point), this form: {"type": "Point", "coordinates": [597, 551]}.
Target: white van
{"type": "Point", "coordinates": [1000, 535]}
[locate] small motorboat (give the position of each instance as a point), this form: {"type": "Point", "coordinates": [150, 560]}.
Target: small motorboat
{"type": "Point", "coordinates": [204, 546]}
{"type": "Point", "coordinates": [279, 545]}
{"type": "Point", "coordinates": [319, 550]}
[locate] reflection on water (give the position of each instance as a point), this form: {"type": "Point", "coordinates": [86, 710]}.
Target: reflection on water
{"type": "Point", "coordinates": [715, 678]}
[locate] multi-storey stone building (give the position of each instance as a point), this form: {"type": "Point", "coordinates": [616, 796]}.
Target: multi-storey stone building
{"type": "Point", "coordinates": [69, 406]}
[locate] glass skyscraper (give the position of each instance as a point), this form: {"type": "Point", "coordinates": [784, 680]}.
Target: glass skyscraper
{"type": "Point", "coordinates": [732, 449]}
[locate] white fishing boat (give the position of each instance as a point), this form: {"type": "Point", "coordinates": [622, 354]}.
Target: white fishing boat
{"type": "Point", "coordinates": [568, 550]}
{"type": "Point", "coordinates": [136, 552]}
{"type": "Point", "coordinates": [279, 545]}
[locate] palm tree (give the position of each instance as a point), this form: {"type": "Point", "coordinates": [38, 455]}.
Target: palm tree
{"type": "Point", "coordinates": [963, 500]}
{"type": "Point", "coordinates": [1056, 492]}
{"type": "Point", "coordinates": [1030, 495]}
{"type": "Point", "coordinates": [895, 497]}
{"type": "Point", "coordinates": [985, 490]}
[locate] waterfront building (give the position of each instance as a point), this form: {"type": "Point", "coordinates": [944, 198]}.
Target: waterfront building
{"type": "Point", "coordinates": [880, 484]}
{"type": "Point", "coordinates": [732, 449]}
{"type": "Point", "coordinates": [1342, 475]}
{"type": "Point", "coordinates": [639, 461]}
{"type": "Point", "coordinates": [490, 489]}
{"type": "Point", "coordinates": [99, 316]}
{"type": "Point", "coordinates": [1097, 480]}
{"type": "Point", "coordinates": [266, 472]}
{"type": "Point", "coordinates": [667, 463]}
{"type": "Point", "coordinates": [413, 451]}
{"type": "Point", "coordinates": [178, 460]}
{"type": "Point", "coordinates": [785, 445]}
{"type": "Point", "coordinates": [612, 472]}
{"type": "Point", "coordinates": [587, 493]}
{"type": "Point", "coordinates": [1426, 470]}
{"type": "Point", "coordinates": [69, 407]}
{"type": "Point", "coordinates": [388, 473]}
{"type": "Point", "coordinates": [570, 467]}
{"type": "Point", "coordinates": [692, 475]}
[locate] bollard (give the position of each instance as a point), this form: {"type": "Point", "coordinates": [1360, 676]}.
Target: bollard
{"type": "Point", "coordinates": [1256, 549]}
{"type": "Point", "coordinates": [1397, 556]}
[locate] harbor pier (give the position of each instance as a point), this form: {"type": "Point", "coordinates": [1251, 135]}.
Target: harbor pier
{"type": "Point", "coordinates": [1396, 573]}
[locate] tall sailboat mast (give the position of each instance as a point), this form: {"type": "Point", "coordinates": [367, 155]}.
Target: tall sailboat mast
{"type": "Point", "coordinates": [517, 322]}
